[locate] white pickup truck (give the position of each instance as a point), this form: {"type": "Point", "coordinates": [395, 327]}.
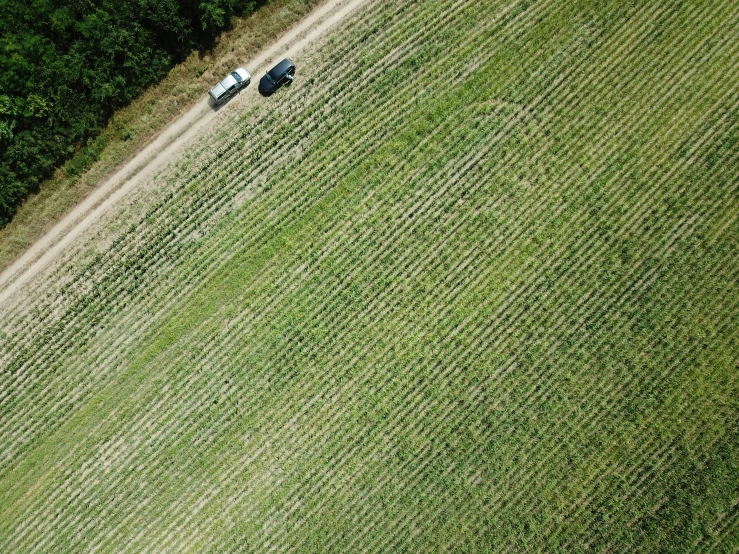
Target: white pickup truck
{"type": "Point", "coordinates": [233, 83]}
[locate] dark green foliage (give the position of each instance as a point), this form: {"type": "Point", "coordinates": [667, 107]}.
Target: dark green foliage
{"type": "Point", "coordinates": [67, 65]}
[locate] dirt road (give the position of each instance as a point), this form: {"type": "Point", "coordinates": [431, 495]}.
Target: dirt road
{"type": "Point", "coordinates": [151, 158]}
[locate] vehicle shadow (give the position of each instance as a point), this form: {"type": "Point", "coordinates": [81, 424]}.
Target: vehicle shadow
{"type": "Point", "coordinates": [213, 106]}
{"type": "Point", "coordinates": [217, 107]}
{"type": "Point", "coordinates": [267, 92]}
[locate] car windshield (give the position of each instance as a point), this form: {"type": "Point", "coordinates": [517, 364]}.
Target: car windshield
{"type": "Point", "coordinates": [237, 77]}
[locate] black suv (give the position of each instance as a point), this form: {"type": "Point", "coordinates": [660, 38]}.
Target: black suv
{"type": "Point", "coordinates": [279, 75]}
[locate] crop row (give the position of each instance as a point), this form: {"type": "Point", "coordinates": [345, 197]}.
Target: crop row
{"type": "Point", "coordinates": [445, 262]}
{"type": "Point", "coordinates": [160, 253]}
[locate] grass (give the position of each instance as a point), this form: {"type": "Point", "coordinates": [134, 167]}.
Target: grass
{"type": "Point", "coordinates": [131, 128]}
{"type": "Point", "coordinates": [477, 294]}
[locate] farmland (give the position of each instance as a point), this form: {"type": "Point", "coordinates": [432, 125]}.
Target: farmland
{"type": "Point", "coordinates": [476, 292]}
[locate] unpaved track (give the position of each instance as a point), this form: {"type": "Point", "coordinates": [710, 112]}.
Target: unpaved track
{"type": "Point", "coordinates": [153, 156]}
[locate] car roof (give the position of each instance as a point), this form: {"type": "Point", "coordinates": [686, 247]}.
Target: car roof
{"type": "Point", "coordinates": [278, 70]}
{"type": "Point", "coordinates": [228, 82]}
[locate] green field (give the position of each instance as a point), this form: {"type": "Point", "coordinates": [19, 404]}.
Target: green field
{"type": "Point", "coordinates": [470, 284]}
